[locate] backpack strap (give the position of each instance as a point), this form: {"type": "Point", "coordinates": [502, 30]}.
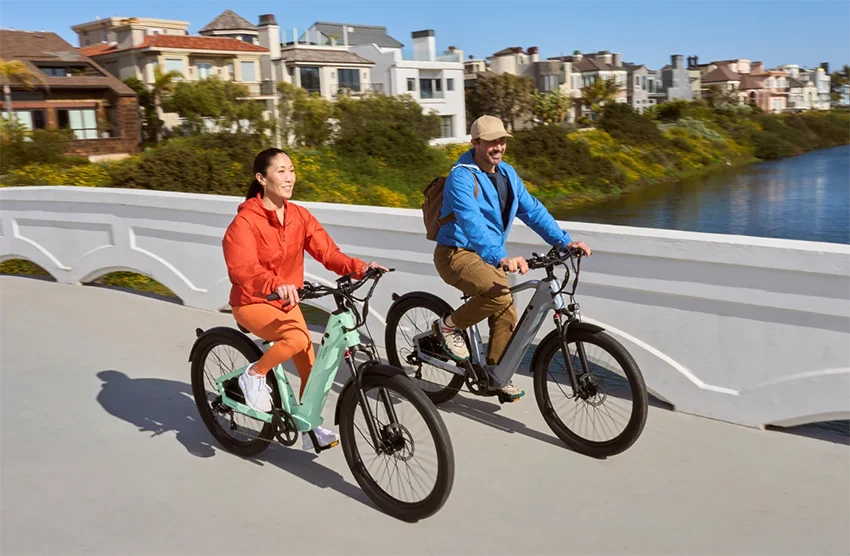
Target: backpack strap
{"type": "Point", "coordinates": [451, 216]}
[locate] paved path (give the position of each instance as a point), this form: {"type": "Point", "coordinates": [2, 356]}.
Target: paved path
{"type": "Point", "coordinates": [103, 453]}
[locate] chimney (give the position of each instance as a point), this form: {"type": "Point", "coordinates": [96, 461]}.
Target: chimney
{"type": "Point", "coordinates": [825, 66]}
{"type": "Point", "coordinates": [533, 51]}
{"type": "Point", "coordinates": [618, 60]}
{"type": "Point", "coordinates": [345, 35]}
{"type": "Point", "coordinates": [424, 45]}
{"type": "Point", "coordinates": [269, 37]}
{"type": "Point", "coordinates": [756, 68]}
{"type": "Point", "coordinates": [577, 56]}
{"type": "Point", "coordinates": [677, 61]}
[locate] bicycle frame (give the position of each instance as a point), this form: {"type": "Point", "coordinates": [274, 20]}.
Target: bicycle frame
{"type": "Point", "coordinates": [339, 339]}
{"type": "Point", "coordinates": [546, 298]}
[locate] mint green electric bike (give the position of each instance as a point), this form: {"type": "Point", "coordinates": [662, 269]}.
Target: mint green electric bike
{"type": "Point", "coordinates": [392, 436]}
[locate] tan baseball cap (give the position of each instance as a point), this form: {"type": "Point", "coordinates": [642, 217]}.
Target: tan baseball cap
{"type": "Point", "coordinates": [488, 128]}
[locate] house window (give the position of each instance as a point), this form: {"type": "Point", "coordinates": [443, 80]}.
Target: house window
{"type": "Point", "coordinates": [450, 84]}
{"type": "Point", "coordinates": [249, 71]}
{"type": "Point", "coordinates": [83, 122]}
{"type": "Point", "coordinates": [643, 82]}
{"type": "Point", "coordinates": [637, 82]}
{"type": "Point", "coordinates": [349, 79]}
{"type": "Point", "coordinates": [430, 88]}
{"type": "Point", "coordinates": [447, 126]}
{"type": "Point", "coordinates": [411, 84]}
{"type": "Point", "coordinates": [230, 71]}
{"type": "Point", "coordinates": [175, 64]}
{"type": "Point", "coordinates": [248, 38]}
{"type": "Point", "coordinates": [204, 70]}
{"type": "Point", "coordinates": [104, 36]}
{"type": "Point", "coordinates": [54, 72]}
{"type": "Point", "coordinates": [31, 119]}
{"type": "Point", "coordinates": [550, 82]}
{"type": "Point", "coordinates": [310, 79]}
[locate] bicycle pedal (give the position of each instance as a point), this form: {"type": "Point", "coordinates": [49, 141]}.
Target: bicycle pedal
{"type": "Point", "coordinates": [507, 398]}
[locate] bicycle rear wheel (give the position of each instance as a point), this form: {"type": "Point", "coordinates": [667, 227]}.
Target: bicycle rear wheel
{"type": "Point", "coordinates": [215, 357]}
{"type": "Point", "coordinates": [411, 474]}
{"type": "Point", "coordinates": [610, 414]}
{"type": "Point", "coordinates": [408, 318]}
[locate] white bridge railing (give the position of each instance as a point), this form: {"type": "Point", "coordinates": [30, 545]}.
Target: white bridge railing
{"type": "Point", "coordinates": [747, 330]}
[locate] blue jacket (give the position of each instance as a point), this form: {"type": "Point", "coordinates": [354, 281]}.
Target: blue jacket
{"type": "Point", "coordinates": [478, 221]}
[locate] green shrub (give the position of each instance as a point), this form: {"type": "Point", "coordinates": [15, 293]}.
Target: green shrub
{"type": "Point", "coordinates": [620, 121]}
{"type": "Point", "coordinates": [179, 166]}
{"type": "Point", "coordinates": [393, 129]}
{"type": "Point", "coordinates": [547, 155]}
{"type": "Point", "coordinates": [21, 147]}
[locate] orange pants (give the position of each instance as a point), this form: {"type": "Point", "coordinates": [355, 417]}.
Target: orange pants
{"type": "Point", "coordinates": [287, 330]}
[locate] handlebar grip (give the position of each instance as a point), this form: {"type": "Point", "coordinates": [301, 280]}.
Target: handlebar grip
{"type": "Point", "coordinates": [272, 297]}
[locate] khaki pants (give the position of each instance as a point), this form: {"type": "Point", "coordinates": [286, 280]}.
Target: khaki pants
{"type": "Point", "coordinates": [489, 291]}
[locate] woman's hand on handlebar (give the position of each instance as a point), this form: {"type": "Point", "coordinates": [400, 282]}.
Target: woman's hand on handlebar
{"type": "Point", "coordinates": [288, 293]}
{"type": "Point", "coordinates": [366, 268]}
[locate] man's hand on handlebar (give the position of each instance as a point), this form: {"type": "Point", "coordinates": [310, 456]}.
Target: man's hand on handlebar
{"type": "Point", "coordinates": [288, 293]}
{"type": "Point", "coordinates": [578, 245]}
{"type": "Point", "coordinates": [512, 264]}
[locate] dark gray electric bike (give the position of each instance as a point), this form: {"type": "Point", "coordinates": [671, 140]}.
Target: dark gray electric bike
{"type": "Point", "coordinates": [587, 386]}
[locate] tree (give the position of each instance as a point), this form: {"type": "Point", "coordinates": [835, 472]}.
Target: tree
{"type": "Point", "coordinates": [390, 128]}
{"type": "Point", "coordinates": [311, 119]}
{"type": "Point", "coordinates": [597, 93]}
{"type": "Point", "coordinates": [839, 79]}
{"type": "Point", "coordinates": [510, 97]}
{"type": "Point", "coordinates": [718, 95]}
{"type": "Point", "coordinates": [162, 83]}
{"type": "Point", "coordinates": [225, 104]}
{"type": "Point", "coordinates": [551, 108]}
{"type": "Point", "coordinates": [150, 119]}
{"type": "Point", "coordinates": [15, 70]}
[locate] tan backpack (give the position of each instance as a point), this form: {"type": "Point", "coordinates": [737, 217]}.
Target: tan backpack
{"type": "Point", "coordinates": [434, 202]}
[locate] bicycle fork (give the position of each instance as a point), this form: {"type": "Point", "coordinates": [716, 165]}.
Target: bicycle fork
{"type": "Point", "coordinates": [563, 329]}
{"type": "Point", "coordinates": [377, 438]}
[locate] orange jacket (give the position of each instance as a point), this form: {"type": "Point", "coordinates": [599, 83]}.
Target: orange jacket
{"type": "Point", "coordinates": [261, 254]}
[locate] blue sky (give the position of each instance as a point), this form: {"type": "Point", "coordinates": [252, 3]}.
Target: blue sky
{"type": "Point", "coordinates": [648, 32]}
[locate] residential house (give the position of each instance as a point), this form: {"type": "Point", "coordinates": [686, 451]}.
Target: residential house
{"type": "Point", "coordinates": [73, 92]}
{"type": "Point", "coordinates": [843, 95]}
{"type": "Point", "coordinates": [750, 82]}
{"type": "Point", "coordinates": [644, 87]}
{"type": "Point", "coordinates": [547, 75]}
{"type": "Point", "coordinates": [135, 46]}
{"type": "Point", "coordinates": [802, 95]}
{"type": "Point", "coordinates": [818, 79]}
{"type": "Point", "coordinates": [676, 81]}
{"type": "Point", "coordinates": [588, 68]}
{"type": "Point", "coordinates": [233, 26]}
{"type": "Point", "coordinates": [322, 67]}
{"type": "Point", "coordinates": [472, 68]}
{"type": "Point", "coordinates": [434, 81]}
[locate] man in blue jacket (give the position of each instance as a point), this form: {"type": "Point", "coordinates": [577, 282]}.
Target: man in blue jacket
{"type": "Point", "coordinates": [485, 194]}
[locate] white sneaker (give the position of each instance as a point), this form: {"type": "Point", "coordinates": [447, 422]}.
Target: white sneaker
{"type": "Point", "coordinates": [256, 391]}
{"type": "Point", "coordinates": [324, 436]}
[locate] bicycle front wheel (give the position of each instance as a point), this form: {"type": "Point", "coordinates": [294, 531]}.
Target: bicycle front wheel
{"type": "Point", "coordinates": [607, 413]}
{"type": "Point", "coordinates": [410, 474]}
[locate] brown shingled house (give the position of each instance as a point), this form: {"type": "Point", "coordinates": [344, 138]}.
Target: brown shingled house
{"type": "Point", "coordinates": [74, 93]}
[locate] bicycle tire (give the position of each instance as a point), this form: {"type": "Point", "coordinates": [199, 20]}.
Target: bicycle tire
{"type": "Point", "coordinates": [637, 420]}
{"type": "Point", "coordinates": [252, 353]}
{"type": "Point", "coordinates": [437, 393]}
{"type": "Point", "coordinates": [403, 387]}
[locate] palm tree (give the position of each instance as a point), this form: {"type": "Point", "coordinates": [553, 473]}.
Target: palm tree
{"type": "Point", "coordinates": [15, 70]}
{"type": "Point", "coordinates": [595, 95]}
{"type": "Point", "coordinates": [162, 83]}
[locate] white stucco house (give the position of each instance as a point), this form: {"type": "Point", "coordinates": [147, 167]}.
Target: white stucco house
{"type": "Point", "coordinates": [434, 81]}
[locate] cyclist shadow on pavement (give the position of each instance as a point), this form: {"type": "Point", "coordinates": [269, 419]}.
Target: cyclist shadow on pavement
{"type": "Point", "coordinates": [159, 406]}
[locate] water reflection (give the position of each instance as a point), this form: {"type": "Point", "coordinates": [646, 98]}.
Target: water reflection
{"type": "Point", "coordinates": [805, 197]}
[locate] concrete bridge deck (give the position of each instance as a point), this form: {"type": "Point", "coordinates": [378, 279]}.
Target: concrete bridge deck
{"type": "Point", "coordinates": [118, 462]}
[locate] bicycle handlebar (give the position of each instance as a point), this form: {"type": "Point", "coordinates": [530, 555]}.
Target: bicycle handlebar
{"type": "Point", "coordinates": [345, 286]}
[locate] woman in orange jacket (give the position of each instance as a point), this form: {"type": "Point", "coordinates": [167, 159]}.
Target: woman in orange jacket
{"type": "Point", "coordinates": [264, 251]}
